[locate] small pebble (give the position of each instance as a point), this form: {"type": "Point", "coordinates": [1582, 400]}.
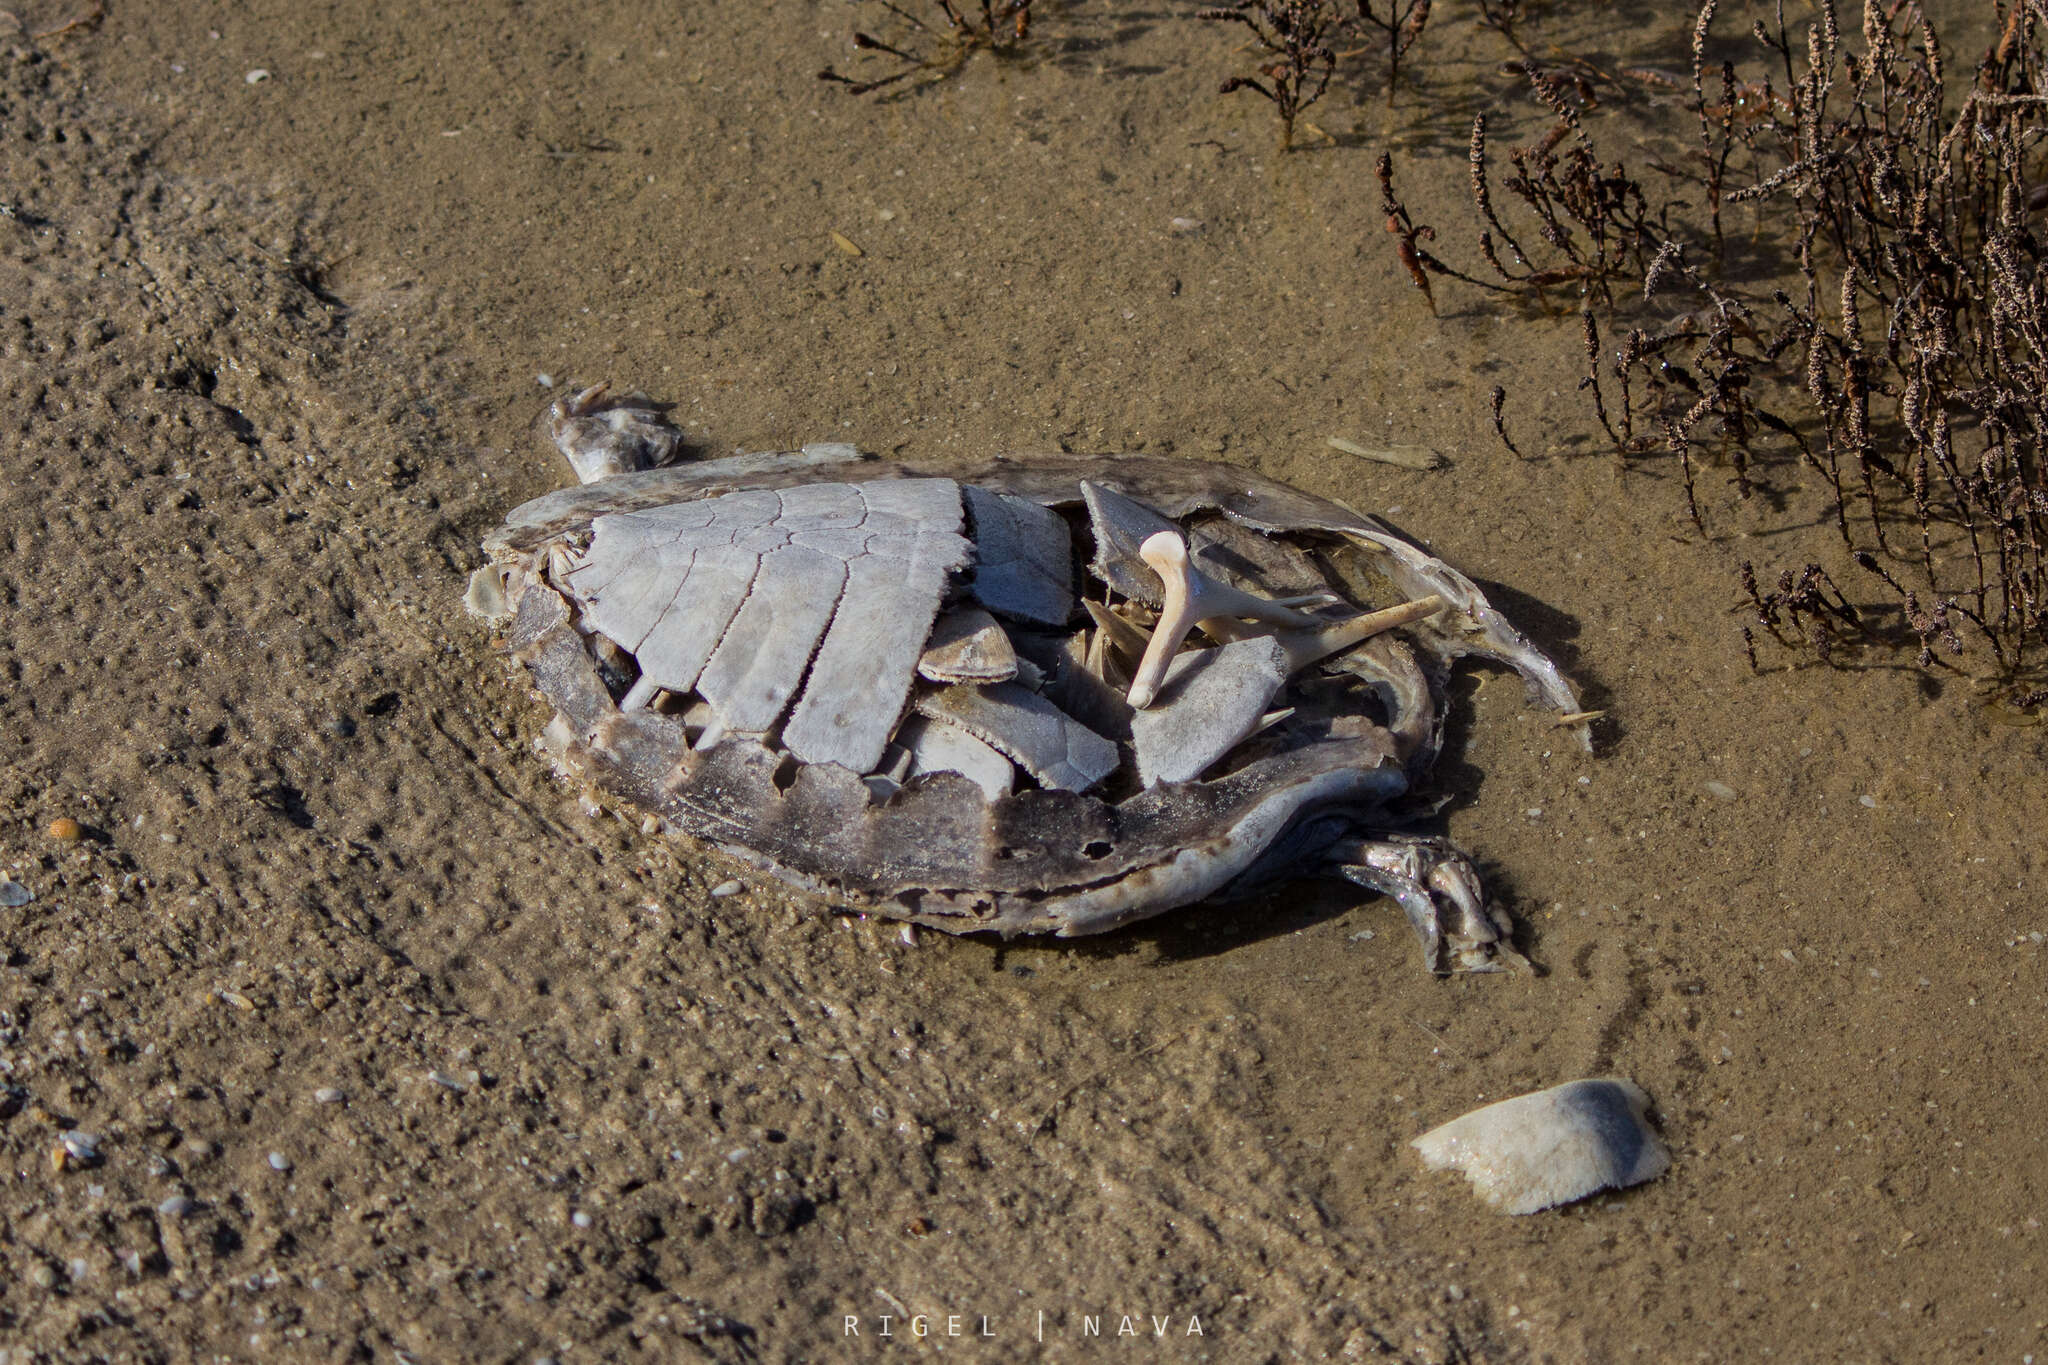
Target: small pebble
{"type": "Point", "coordinates": [66, 830]}
{"type": "Point", "coordinates": [1867, 800]}
{"type": "Point", "coordinates": [280, 1162]}
{"type": "Point", "coordinates": [1361, 936]}
{"type": "Point", "coordinates": [442, 1078]}
{"type": "Point", "coordinates": [580, 1219]}
{"type": "Point", "coordinates": [257, 77]}
{"type": "Point", "coordinates": [327, 1094]}
{"type": "Point", "coordinates": [81, 1146]}
{"type": "Point", "coordinates": [177, 1206]}
{"type": "Point", "coordinates": [14, 893]}
{"type": "Point", "coordinates": [1720, 789]}
{"type": "Point", "coordinates": [43, 1275]}
{"type": "Point", "coordinates": [726, 889]}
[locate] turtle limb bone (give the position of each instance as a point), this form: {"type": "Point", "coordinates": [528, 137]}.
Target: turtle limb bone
{"type": "Point", "coordinates": [1192, 597]}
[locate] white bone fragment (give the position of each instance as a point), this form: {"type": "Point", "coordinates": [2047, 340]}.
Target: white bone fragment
{"type": "Point", "coordinates": [1023, 557]}
{"type": "Point", "coordinates": [1191, 596]}
{"type": "Point", "coordinates": [1062, 753]}
{"type": "Point", "coordinates": [1407, 457]}
{"type": "Point", "coordinates": [938, 746]}
{"type": "Point", "coordinates": [1551, 1147]}
{"type": "Point", "coordinates": [967, 646]}
{"type": "Point", "coordinates": [1305, 647]}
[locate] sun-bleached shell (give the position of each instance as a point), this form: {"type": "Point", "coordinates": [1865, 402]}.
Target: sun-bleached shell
{"type": "Point", "coordinates": [1551, 1147]}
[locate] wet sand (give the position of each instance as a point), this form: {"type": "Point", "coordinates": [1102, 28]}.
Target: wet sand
{"type": "Point", "coordinates": [271, 350]}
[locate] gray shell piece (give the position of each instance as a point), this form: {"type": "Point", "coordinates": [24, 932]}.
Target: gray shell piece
{"type": "Point", "coordinates": [1120, 526]}
{"type": "Point", "coordinates": [1023, 565]}
{"type": "Point", "coordinates": [667, 615]}
{"type": "Point", "coordinates": [730, 597]}
{"type": "Point", "coordinates": [1063, 754]}
{"type": "Point", "coordinates": [967, 645]}
{"type": "Point", "coordinates": [1212, 699]}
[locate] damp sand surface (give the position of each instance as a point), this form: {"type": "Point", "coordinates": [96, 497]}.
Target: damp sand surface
{"type": "Point", "coordinates": [391, 1045]}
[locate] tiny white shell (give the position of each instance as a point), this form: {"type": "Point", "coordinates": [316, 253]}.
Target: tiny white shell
{"type": "Point", "coordinates": [1551, 1147]}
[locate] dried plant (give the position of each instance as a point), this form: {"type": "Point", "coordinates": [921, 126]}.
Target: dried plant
{"type": "Point", "coordinates": [1402, 25]}
{"type": "Point", "coordinates": [1293, 34]}
{"type": "Point", "coordinates": [1887, 326]}
{"type": "Point", "coordinates": [1002, 26]}
{"type": "Point", "coordinates": [1299, 38]}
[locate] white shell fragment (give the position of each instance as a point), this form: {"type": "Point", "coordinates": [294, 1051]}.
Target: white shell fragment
{"type": "Point", "coordinates": [1557, 1145]}
{"type": "Point", "coordinates": [1212, 699]}
{"type": "Point", "coordinates": [938, 746]}
{"type": "Point", "coordinates": [967, 646]}
{"type": "Point", "coordinates": [731, 596]}
{"type": "Point", "coordinates": [1062, 753]}
{"type": "Point", "coordinates": [863, 670]}
{"type": "Point", "coordinates": [1024, 557]}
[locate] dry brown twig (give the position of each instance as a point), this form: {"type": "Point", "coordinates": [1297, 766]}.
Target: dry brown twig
{"type": "Point", "coordinates": [1294, 35]}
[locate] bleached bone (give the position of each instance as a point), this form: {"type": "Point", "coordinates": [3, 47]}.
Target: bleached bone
{"type": "Point", "coordinates": [1191, 596]}
{"type": "Point", "coordinates": [1305, 647]}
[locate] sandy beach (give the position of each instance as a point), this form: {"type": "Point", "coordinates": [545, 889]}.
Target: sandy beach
{"type": "Point", "coordinates": [393, 1047]}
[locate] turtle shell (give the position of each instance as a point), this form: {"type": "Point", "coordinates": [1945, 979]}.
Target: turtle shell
{"type": "Point", "coordinates": [906, 689]}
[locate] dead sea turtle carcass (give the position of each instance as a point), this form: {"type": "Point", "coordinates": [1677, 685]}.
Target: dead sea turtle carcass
{"type": "Point", "coordinates": [1052, 695]}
